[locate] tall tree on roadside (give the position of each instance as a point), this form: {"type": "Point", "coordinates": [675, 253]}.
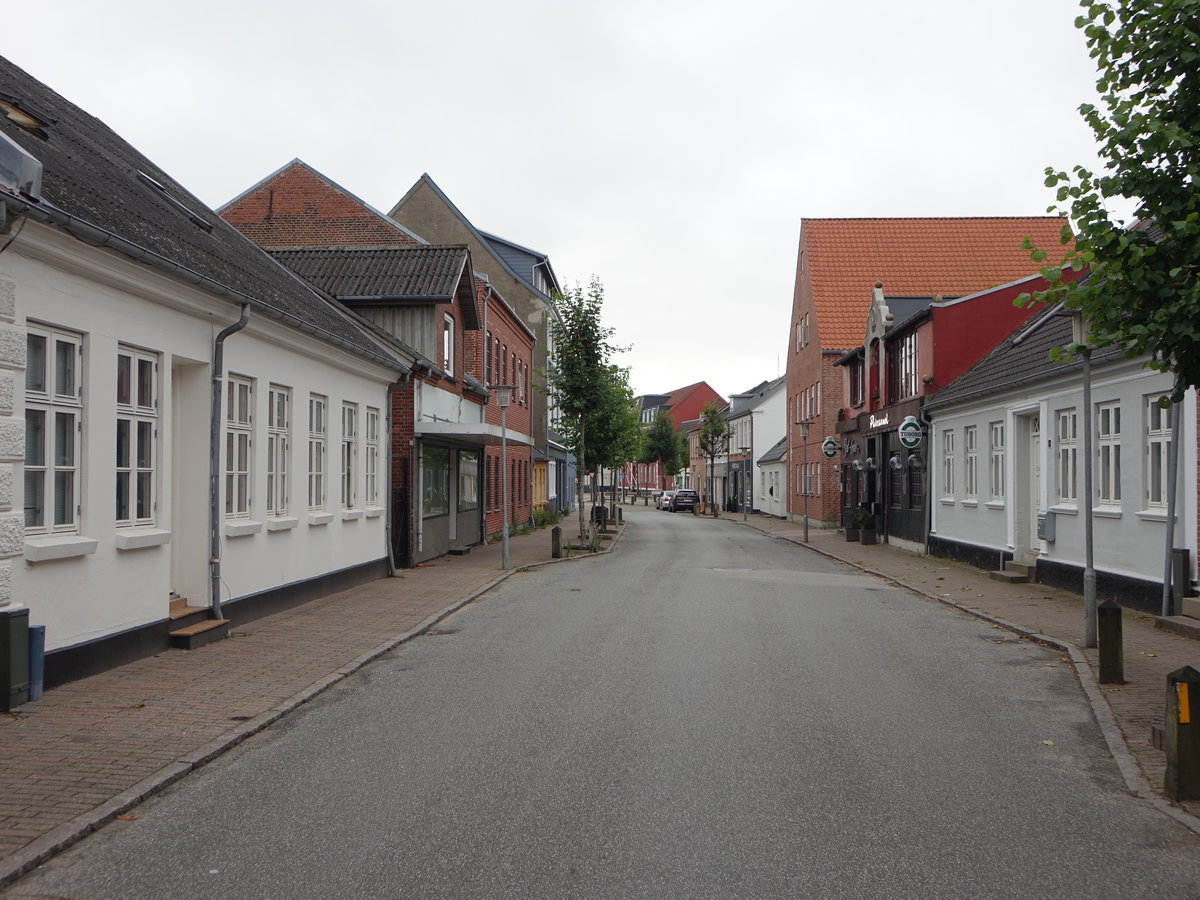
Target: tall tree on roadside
{"type": "Point", "coordinates": [713, 439]}
{"type": "Point", "coordinates": [613, 428]}
{"type": "Point", "coordinates": [1143, 293]}
{"type": "Point", "coordinates": [664, 445]}
{"type": "Point", "coordinates": [577, 379]}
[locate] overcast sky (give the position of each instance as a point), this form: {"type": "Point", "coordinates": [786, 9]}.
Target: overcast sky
{"type": "Point", "coordinates": [669, 148]}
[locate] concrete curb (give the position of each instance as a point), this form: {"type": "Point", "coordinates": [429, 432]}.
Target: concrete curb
{"type": "Point", "coordinates": [1127, 764]}
{"type": "Point", "coordinates": [59, 838]}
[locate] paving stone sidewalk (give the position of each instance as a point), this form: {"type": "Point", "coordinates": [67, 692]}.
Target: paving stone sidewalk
{"type": "Point", "coordinates": [1150, 652]}
{"type": "Point", "coordinates": [92, 749]}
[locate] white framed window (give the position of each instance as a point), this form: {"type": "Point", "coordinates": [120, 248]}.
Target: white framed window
{"type": "Point", "coordinates": [1108, 449]}
{"type": "Point", "coordinates": [349, 454]}
{"type": "Point", "coordinates": [1158, 449]}
{"type": "Point", "coordinates": [996, 460]}
{"type": "Point", "coordinates": [949, 461]}
{"type": "Point", "coordinates": [907, 369]}
{"type": "Point", "coordinates": [1067, 459]}
{"type": "Point", "coordinates": [448, 344]}
{"type": "Point", "coordinates": [239, 426]}
{"type": "Point", "coordinates": [318, 429]}
{"type": "Point", "coordinates": [279, 439]}
{"type": "Point", "coordinates": [53, 419]}
{"type": "Point", "coordinates": [137, 436]}
{"type": "Point", "coordinates": [971, 468]}
{"type": "Point", "coordinates": [371, 460]}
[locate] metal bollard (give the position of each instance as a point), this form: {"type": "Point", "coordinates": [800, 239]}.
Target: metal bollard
{"type": "Point", "coordinates": [1112, 643]}
{"type": "Point", "coordinates": [556, 542]}
{"type": "Point", "coordinates": [1182, 735]}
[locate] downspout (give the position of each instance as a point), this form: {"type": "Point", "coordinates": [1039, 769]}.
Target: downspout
{"type": "Point", "coordinates": [923, 414]}
{"type": "Point", "coordinates": [487, 349]}
{"type": "Point", "coordinates": [391, 491]}
{"type": "Point", "coordinates": [214, 462]}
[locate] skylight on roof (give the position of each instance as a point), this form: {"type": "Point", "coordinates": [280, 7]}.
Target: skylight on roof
{"type": "Point", "coordinates": [16, 113]}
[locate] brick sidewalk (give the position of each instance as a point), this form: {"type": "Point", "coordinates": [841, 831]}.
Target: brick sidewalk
{"type": "Point", "coordinates": [91, 749]}
{"type": "Point", "coordinates": [1150, 652]}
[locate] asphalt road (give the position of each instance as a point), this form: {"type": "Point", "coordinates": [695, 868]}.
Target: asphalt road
{"type": "Point", "coordinates": [706, 713]}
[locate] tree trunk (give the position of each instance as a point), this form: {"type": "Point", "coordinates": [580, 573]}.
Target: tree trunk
{"type": "Point", "coordinates": [580, 472]}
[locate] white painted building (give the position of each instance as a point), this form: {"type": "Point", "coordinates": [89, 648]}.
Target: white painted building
{"type": "Point", "coordinates": [1007, 455]}
{"type": "Point", "coordinates": [115, 285]}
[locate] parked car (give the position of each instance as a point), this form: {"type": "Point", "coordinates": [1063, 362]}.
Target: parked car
{"type": "Point", "coordinates": [664, 500]}
{"type": "Point", "coordinates": [684, 500]}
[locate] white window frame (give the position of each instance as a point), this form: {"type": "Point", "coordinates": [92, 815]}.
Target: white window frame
{"type": "Point", "coordinates": [52, 474]}
{"type": "Point", "coordinates": [907, 368]}
{"type": "Point", "coordinates": [137, 437]}
{"type": "Point", "coordinates": [1108, 453]}
{"type": "Point", "coordinates": [448, 344]}
{"type": "Point", "coordinates": [971, 449]}
{"type": "Point", "coordinates": [239, 445]}
{"type": "Point", "coordinates": [996, 458]}
{"type": "Point", "coordinates": [1158, 450]}
{"type": "Point", "coordinates": [372, 457]}
{"type": "Point", "coordinates": [949, 461]}
{"type": "Point", "coordinates": [1066, 468]}
{"type": "Point", "coordinates": [279, 441]}
{"type": "Point", "coordinates": [349, 468]}
{"type": "Point", "coordinates": [318, 431]}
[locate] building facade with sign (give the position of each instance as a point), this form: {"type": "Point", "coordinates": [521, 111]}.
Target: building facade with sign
{"type": "Point", "coordinates": [912, 347]}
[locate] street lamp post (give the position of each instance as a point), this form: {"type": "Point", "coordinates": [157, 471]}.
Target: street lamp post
{"type": "Point", "coordinates": [503, 398]}
{"type": "Point", "coordinates": [803, 423]}
{"type": "Point", "coordinates": [745, 451]}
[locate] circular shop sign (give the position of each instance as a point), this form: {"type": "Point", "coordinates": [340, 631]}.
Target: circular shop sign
{"type": "Point", "coordinates": [829, 447]}
{"type": "Point", "coordinates": [910, 433]}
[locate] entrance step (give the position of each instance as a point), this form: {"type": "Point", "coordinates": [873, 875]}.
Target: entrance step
{"type": "Point", "coordinates": [1181, 625]}
{"type": "Point", "coordinates": [1009, 577]}
{"type": "Point", "coordinates": [180, 608]}
{"type": "Point", "coordinates": [192, 636]}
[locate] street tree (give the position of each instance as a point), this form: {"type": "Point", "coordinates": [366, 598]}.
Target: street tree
{"type": "Point", "coordinates": [577, 378]}
{"type": "Point", "coordinates": [664, 445]}
{"type": "Point", "coordinates": [713, 439]}
{"type": "Point", "coordinates": [612, 426]}
{"type": "Point", "coordinates": [1143, 293]}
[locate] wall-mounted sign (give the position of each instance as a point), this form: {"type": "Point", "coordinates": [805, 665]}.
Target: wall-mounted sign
{"type": "Point", "coordinates": [909, 433]}
{"type": "Point", "coordinates": [878, 423]}
{"type": "Point", "coordinates": [829, 447]}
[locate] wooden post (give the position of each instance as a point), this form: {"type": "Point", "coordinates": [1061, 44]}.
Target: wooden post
{"type": "Point", "coordinates": [1182, 735]}
{"type": "Point", "coordinates": [556, 542]}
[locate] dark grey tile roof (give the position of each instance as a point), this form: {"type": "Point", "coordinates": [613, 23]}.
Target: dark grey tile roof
{"type": "Point", "coordinates": [95, 177]}
{"type": "Point", "coordinates": [1011, 365]}
{"type": "Point", "coordinates": [429, 273]}
{"type": "Point", "coordinates": [776, 453]}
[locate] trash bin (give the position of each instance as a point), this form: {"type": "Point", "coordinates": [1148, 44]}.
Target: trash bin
{"type": "Point", "coordinates": [37, 661]}
{"type": "Point", "coordinates": [14, 657]}
{"type": "Point", "coordinates": [600, 515]}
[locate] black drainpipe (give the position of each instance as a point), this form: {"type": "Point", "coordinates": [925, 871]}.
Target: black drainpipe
{"type": "Point", "coordinates": [214, 460]}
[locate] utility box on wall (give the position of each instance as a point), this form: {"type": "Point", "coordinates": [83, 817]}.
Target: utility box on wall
{"type": "Point", "coordinates": [1046, 525]}
{"type": "Point", "coordinates": [14, 657]}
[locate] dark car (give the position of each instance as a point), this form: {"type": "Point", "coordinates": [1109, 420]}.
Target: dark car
{"type": "Point", "coordinates": [684, 500]}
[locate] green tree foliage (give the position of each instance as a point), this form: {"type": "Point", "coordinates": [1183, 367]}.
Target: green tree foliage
{"type": "Point", "coordinates": [664, 445]}
{"type": "Point", "coordinates": [580, 376]}
{"type": "Point", "coordinates": [714, 437]}
{"type": "Point", "coordinates": [1143, 293]}
{"type": "Point", "coordinates": [613, 428]}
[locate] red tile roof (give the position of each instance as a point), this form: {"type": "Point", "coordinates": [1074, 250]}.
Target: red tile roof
{"type": "Point", "coordinates": [844, 258]}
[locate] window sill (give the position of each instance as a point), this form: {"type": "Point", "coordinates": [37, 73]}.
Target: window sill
{"type": "Point", "coordinates": [1107, 512]}
{"type": "Point", "coordinates": [971, 503]}
{"type": "Point", "coordinates": [946, 501]}
{"type": "Point", "coordinates": [1064, 510]}
{"type": "Point", "coordinates": [139, 538]}
{"type": "Point", "coordinates": [320, 518]}
{"type": "Point", "coordinates": [63, 546]}
{"type": "Point", "coordinates": [242, 527]}
{"type": "Point", "coordinates": [374, 512]}
{"type": "Point", "coordinates": [348, 515]}
{"type": "Point", "coordinates": [1152, 515]}
{"type": "Point", "coordinates": [995, 504]}
{"type": "Point", "coordinates": [282, 523]}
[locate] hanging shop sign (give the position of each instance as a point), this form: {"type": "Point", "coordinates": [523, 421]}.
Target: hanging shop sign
{"type": "Point", "coordinates": [830, 447]}
{"type": "Point", "coordinates": [909, 433]}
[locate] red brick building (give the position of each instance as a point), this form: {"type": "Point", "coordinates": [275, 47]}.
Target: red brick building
{"type": "Point", "coordinates": [444, 426]}
{"type": "Point", "coordinates": [838, 264]}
